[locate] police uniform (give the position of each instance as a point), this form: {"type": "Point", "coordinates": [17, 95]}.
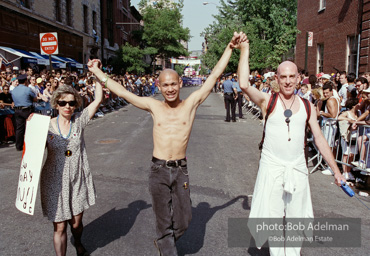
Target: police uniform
{"type": "Point", "coordinates": [229, 100]}
{"type": "Point", "coordinates": [23, 106]}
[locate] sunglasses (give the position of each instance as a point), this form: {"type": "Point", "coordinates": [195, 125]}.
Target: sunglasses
{"type": "Point", "coordinates": [63, 103]}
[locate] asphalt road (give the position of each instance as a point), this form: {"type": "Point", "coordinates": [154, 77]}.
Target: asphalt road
{"type": "Point", "coordinates": [222, 161]}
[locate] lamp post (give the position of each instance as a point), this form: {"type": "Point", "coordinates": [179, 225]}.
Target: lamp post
{"type": "Point", "coordinates": [205, 3]}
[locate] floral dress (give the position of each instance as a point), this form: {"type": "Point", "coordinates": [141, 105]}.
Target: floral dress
{"type": "Point", "coordinates": [67, 188]}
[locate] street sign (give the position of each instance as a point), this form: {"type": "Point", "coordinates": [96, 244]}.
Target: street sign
{"type": "Point", "coordinates": [310, 39]}
{"type": "Point", "coordinates": [49, 43]}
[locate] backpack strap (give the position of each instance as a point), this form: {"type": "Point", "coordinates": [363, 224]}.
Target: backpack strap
{"type": "Point", "coordinates": [307, 106]}
{"type": "Point", "coordinates": [270, 107]}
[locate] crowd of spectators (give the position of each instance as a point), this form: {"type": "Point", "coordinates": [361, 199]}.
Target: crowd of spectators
{"type": "Point", "coordinates": [43, 85]}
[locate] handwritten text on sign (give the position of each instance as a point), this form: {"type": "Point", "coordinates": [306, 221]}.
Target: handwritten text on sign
{"type": "Point", "coordinates": [33, 153]}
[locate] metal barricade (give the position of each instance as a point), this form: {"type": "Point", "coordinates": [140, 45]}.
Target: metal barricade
{"type": "Point", "coordinates": [351, 148]}
{"type": "Point", "coordinates": [254, 110]}
{"type": "Point", "coordinates": [329, 128]}
{"type": "Point", "coordinates": [361, 145]}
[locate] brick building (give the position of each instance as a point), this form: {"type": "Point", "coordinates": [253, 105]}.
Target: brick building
{"type": "Point", "coordinates": [340, 29]}
{"type": "Point", "coordinates": [21, 22]}
{"type": "Point", "coordinates": [114, 33]}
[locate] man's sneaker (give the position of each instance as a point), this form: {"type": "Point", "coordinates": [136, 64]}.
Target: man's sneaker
{"type": "Point", "coordinates": [348, 176]}
{"type": "Point", "coordinates": [327, 171]}
{"type": "Point", "coordinates": [99, 114]}
{"type": "Point", "coordinates": [361, 164]}
{"type": "Point", "coordinates": [355, 163]}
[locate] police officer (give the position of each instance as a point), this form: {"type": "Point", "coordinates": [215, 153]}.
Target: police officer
{"type": "Point", "coordinates": [23, 98]}
{"type": "Point", "coordinates": [238, 97]}
{"type": "Point", "coordinates": [229, 99]}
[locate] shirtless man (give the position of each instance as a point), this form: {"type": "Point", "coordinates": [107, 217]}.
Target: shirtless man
{"type": "Point", "coordinates": [332, 104]}
{"type": "Point", "coordinates": [172, 122]}
{"type": "Point", "coordinates": [282, 187]}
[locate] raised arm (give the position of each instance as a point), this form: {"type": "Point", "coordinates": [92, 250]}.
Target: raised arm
{"type": "Point", "coordinates": [200, 95]}
{"type": "Point", "coordinates": [93, 107]}
{"type": "Point", "coordinates": [254, 94]}
{"type": "Point", "coordinates": [140, 102]}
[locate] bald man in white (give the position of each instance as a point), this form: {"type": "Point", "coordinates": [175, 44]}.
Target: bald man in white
{"type": "Point", "coordinates": [172, 122]}
{"type": "Point", "coordinates": [282, 187]}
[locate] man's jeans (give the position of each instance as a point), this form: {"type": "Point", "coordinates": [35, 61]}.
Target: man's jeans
{"type": "Point", "coordinates": [169, 187]}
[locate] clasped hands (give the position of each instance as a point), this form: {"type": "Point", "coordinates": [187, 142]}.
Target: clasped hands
{"type": "Point", "coordinates": [239, 40]}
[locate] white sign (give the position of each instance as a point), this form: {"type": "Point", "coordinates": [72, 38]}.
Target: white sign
{"type": "Point", "coordinates": [310, 39]}
{"type": "Point", "coordinates": [33, 153]}
{"type": "Point", "coordinates": [43, 62]}
{"type": "Point", "coordinates": [49, 43]}
{"type": "Point", "coordinates": [186, 62]}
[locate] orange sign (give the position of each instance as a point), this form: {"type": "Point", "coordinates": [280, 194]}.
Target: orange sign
{"type": "Point", "coordinates": [49, 43]}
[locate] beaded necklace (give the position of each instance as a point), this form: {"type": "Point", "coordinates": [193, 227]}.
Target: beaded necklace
{"type": "Point", "coordinates": [70, 129]}
{"type": "Point", "coordinates": [288, 113]}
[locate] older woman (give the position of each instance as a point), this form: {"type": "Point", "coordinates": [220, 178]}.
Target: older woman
{"type": "Point", "coordinates": [67, 188]}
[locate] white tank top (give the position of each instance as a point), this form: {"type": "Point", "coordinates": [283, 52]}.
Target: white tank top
{"type": "Point", "coordinates": [276, 134]}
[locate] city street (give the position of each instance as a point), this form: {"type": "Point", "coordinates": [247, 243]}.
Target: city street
{"type": "Point", "coordinates": [222, 162]}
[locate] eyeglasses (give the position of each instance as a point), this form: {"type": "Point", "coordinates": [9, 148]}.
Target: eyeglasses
{"type": "Point", "coordinates": [63, 103]}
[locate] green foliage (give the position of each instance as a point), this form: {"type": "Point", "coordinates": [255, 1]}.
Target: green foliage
{"type": "Point", "coordinates": [130, 58]}
{"type": "Point", "coordinates": [180, 69]}
{"type": "Point", "coordinates": [163, 29]}
{"type": "Point", "coordinates": [269, 24]}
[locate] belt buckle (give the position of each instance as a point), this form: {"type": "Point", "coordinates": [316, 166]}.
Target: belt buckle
{"type": "Point", "coordinates": [176, 164]}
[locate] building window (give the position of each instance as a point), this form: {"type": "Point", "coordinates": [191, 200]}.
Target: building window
{"type": "Point", "coordinates": [86, 25]}
{"type": "Point", "coordinates": [110, 22]}
{"type": "Point", "coordinates": [94, 19]}
{"type": "Point", "coordinates": [320, 58]}
{"type": "Point", "coordinates": [352, 54]}
{"type": "Point", "coordinates": [25, 4]}
{"type": "Point", "coordinates": [69, 12]}
{"type": "Point", "coordinates": [58, 11]}
{"type": "Point", "coordinates": [322, 4]}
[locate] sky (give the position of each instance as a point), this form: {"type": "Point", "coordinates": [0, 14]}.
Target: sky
{"type": "Point", "coordinates": [196, 17]}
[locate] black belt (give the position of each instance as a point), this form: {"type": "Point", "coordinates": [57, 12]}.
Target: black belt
{"type": "Point", "coordinates": [170, 163]}
{"type": "Point", "coordinates": [22, 107]}
{"type": "Point", "coordinates": [228, 93]}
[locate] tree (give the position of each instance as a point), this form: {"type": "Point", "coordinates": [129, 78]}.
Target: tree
{"type": "Point", "coordinates": [180, 69]}
{"type": "Point", "coordinates": [163, 29]}
{"type": "Point", "coordinates": [130, 59]}
{"type": "Point", "coordinates": [269, 24]}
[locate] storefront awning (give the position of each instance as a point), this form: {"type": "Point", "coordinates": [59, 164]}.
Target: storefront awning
{"type": "Point", "coordinates": [44, 60]}
{"type": "Point", "coordinates": [36, 58]}
{"type": "Point", "coordinates": [27, 57]}
{"type": "Point", "coordinates": [69, 61]}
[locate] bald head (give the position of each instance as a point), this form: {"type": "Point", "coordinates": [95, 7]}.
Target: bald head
{"type": "Point", "coordinates": [287, 74]}
{"type": "Point", "coordinates": [168, 72]}
{"type": "Point", "coordinates": [287, 65]}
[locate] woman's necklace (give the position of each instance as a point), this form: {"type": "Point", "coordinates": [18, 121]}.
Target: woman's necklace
{"type": "Point", "coordinates": [288, 113]}
{"type": "Point", "coordinates": [70, 128]}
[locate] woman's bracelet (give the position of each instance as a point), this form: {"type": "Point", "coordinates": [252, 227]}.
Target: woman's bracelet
{"type": "Point", "coordinates": [105, 80]}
